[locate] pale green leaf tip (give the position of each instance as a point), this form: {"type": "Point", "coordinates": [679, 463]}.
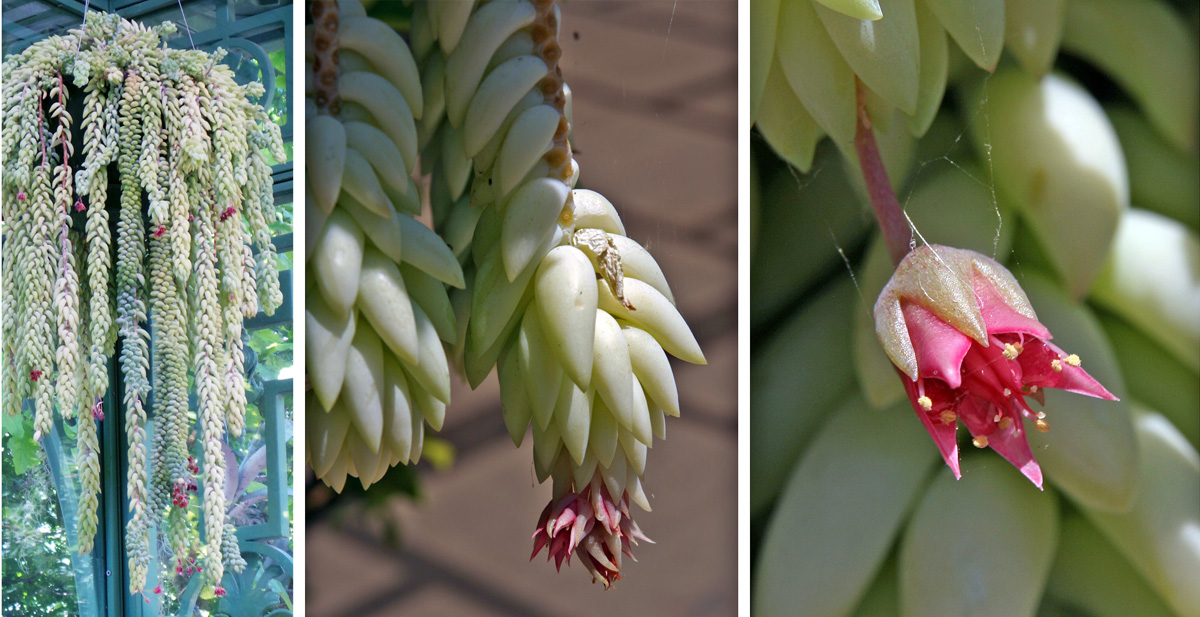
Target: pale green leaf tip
{"type": "Point", "coordinates": [858, 9]}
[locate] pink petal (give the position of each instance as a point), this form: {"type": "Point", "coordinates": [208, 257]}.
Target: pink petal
{"type": "Point", "coordinates": [940, 348]}
{"type": "Point", "coordinates": [979, 417]}
{"type": "Point", "coordinates": [1000, 318]}
{"type": "Point", "coordinates": [942, 434]}
{"type": "Point", "coordinates": [1077, 380]}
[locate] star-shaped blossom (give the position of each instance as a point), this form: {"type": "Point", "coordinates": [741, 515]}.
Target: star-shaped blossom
{"type": "Point", "coordinates": [969, 347]}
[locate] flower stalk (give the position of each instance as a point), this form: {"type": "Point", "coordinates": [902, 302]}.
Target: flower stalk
{"type": "Point", "coordinates": [893, 224]}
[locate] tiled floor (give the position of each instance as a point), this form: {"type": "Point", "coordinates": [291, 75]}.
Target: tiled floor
{"type": "Point", "coordinates": [655, 106]}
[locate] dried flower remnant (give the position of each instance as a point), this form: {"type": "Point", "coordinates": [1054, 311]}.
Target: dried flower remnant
{"type": "Point", "coordinates": [969, 347]}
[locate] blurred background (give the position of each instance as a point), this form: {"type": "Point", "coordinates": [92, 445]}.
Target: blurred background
{"type": "Point", "coordinates": [655, 107]}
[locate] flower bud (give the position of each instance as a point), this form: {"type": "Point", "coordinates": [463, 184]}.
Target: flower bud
{"type": "Point", "coordinates": [968, 346]}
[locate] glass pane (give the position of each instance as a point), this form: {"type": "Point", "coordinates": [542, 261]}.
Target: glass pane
{"type": "Point", "coordinates": [43, 572]}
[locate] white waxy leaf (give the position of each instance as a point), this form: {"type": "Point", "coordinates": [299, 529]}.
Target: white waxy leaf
{"type": "Point", "coordinates": [634, 450]}
{"type": "Point", "coordinates": [653, 369]}
{"type": "Point", "coordinates": [658, 421]}
{"type": "Point", "coordinates": [325, 160]}
{"type": "Point", "coordinates": [379, 97]}
{"type": "Point", "coordinates": [384, 232]}
{"type": "Point", "coordinates": [326, 433]}
{"type": "Point", "coordinates": [566, 298]}
{"type": "Point", "coordinates": [514, 400]}
{"type": "Point", "coordinates": [642, 426]}
{"type": "Point", "coordinates": [1056, 157]}
{"type": "Point", "coordinates": [432, 371]}
{"type": "Point", "coordinates": [529, 223]}
{"type": "Point", "coordinates": [935, 64]}
{"type": "Point", "coordinates": [539, 368]}
{"type": "Point", "coordinates": [496, 96]}
{"type": "Point", "coordinates": [432, 409]}
{"type": "Point", "coordinates": [397, 410]}
{"type": "Point", "coordinates": [495, 299]}
{"type": "Point", "coordinates": [602, 438]}
{"type": "Point", "coordinates": [612, 374]}
{"type": "Point", "coordinates": [858, 9]}
{"type": "Point", "coordinates": [1090, 573]}
{"type": "Point", "coordinates": [362, 389]}
{"type": "Point", "coordinates": [388, 52]}
{"type": "Point", "coordinates": [528, 138]}
{"type": "Point", "coordinates": [378, 150]}
{"type": "Point", "coordinates": [326, 343]}
{"type": "Point", "coordinates": [456, 163]}
{"type": "Point", "coordinates": [1151, 280]}
{"type": "Point", "coordinates": [764, 24]}
{"type": "Point", "coordinates": [654, 314]}
{"type": "Point", "coordinates": [488, 157]}
{"type": "Point", "coordinates": [637, 263]}
{"type": "Point", "coordinates": [314, 218]}
{"type": "Point", "coordinates": [593, 211]}
{"type": "Point", "coordinates": [364, 458]}
{"type": "Point", "coordinates": [383, 299]}
{"type": "Point", "coordinates": [573, 416]}
{"type": "Point", "coordinates": [425, 250]}
{"type": "Point", "coordinates": [615, 476]}
{"type": "Point", "coordinates": [546, 445]}
{"type": "Point", "coordinates": [337, 260]}
{"type": "Point", "coordinates": [431, 295]}
{"type": "Point", "coordinates": [583, 472]}
{"type": "Point", "coordinates": [488, 28]}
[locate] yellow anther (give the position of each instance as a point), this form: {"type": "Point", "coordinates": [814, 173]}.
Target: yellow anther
{"type": "Point", "coordinates": [926, 403]}
{"type": "Point", "coordinates": [948, 417]}
{"type": "Point", "coordinates": [1056, 365]}
{"type": "Point", "coordinates": [1007, 393]}
{"type": "Point", "coordinates": [1011, 352]}
{"type": "Point", "coordinates": [1041, 414]}
{"type": "Point", "coordinates": [980, 441]}
{"type": "Point", "coordinates": [1005, 422]}
{"type": "Point", "coordinates": [1072, 359]}
{"type": "Point", "coordinates": [1019, 347]}
{"type": "Point", "coordinates": [1041, 425]}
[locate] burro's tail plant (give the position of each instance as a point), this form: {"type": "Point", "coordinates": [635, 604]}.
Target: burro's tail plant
{"type": "Point", "coordinates": [189, 148]}
{"type": "Point", "coordinates": [577, 317]}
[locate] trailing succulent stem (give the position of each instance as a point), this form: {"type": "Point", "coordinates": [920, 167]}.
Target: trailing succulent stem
{"type": "Point", "coordinates": [183, 279]}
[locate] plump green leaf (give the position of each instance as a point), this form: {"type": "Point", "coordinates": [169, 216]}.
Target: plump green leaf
{"type": "Point", "coordinates": [840, 511]}
{"type": "Point", "coordinates": [1089, 573]}
{"type": "Point", "coordinates": [1160, 534]}
{"type": "Point", "coordinates": [798, 377]}
{"type": "Point", "coordinates": [976, 25]}
{"type": "Point", "coordinates": [816, 70]}
{"type": "Point", "coordinates": [1032, 32]}
{"type": "Point", "coordinates": [764, 24]}
{"type": "Point", "coordinates": [858, 9]}
{"type": "Point", "coordinates": [1152, 279]}
{"type": "Point", "coordinates": [1090, 452]}
{"type": "Point", "coordinates": [1057, 159]}
{"type": "Point", "coordinates": [884, 54]}
{"type": "Point", "coordinates": [981, 546]}
{"type": "Point", "coordinates": [785, 124]}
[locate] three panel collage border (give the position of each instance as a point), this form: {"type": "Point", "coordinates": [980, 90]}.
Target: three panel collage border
{"type": "Point", "coordinates": [541, 235]}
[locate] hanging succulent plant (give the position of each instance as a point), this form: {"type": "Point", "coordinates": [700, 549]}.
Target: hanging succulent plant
{"type": "Point", "coordinates": [190, 154]}
{"type": "Point", "coordinates": [576, 316]}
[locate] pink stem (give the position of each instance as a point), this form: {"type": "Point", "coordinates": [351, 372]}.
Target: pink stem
{"type": "Point", "coordinates": [892, 222]}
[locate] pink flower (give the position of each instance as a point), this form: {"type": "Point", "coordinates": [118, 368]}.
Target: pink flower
{"type": "Point", "coordinates": [21, 196]}
{"type": "Point", "coordinates": [35, 375]}
{"type": "Point", "coordinates": [158, 233]}
{"type": "Point", "coordinates": [219, 591]}
{"type": "Point", "coordinates": [592, 520]}
{"type": "Point", "coordinates": [79, 207]}
{"type": "Point", "coordinates": [158, 590]}
{"type": "Point", "coordinates": [969, 347]}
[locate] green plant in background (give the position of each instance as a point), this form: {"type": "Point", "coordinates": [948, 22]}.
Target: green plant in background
{"type": "Point", "coordinates": [188, 142]}
{"type": "Point", "coordinates": [1071, 159]}
{"type": "Point", "coordinates": [577, 317]}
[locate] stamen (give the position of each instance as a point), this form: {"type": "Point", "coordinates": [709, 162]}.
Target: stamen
{"type": "Point", "coordinates": [1033, 389]}
{"type": "Point", "coordinates": [1005, 422]}
{"type": "Point", "coordinates": [1041, 425]}
{"type": "Point", "coordinates": [1056, 365]}
{"type": "Point", "coordinates": [926, 403]}
{"type": "Point", "coordinates": [980, 441]}
{"type": "Point", "coordinates": [996, 418]}
{"type": "Point", "coordinates": [948, 417]}
{"type": "Point", "coordinates": [1041, 414]}
{"type": "Point", "coordinates": [1011, 351]}
{"type": "Point", "coordinates": [1007, 393]}
{"type": "Point", "coordinates": [1072, 359]}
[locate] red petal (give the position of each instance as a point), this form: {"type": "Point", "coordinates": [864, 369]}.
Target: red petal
{"type": "Point", "coordinates": [979, 415]}
{"type": "Point", "coordinates": [942, 434]}
{"type": "Point", "coordinates": [940, 348]}
{"type": "Point", "coordinates": [1000, 318]}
